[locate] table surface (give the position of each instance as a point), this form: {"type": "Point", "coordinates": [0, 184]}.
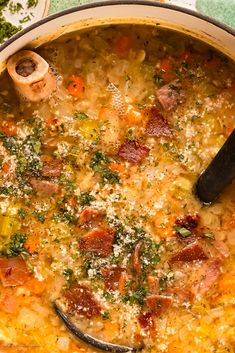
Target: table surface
{"type": "Point", "coordinates": [223, 10]}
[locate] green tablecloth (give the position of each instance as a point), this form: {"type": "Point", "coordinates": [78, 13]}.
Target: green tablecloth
{"type": "Point", "coordinates": [223, 10]}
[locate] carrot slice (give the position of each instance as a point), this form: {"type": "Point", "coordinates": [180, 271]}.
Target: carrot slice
{"type": "Point", "coordinates": [9, 128]}
{"type": "Point", "coordinates": [35, 286]}
{"type": "Point", "coordinates": [166, 67]}
{"type": "Point", "coordinates": [6, 167]}
{"type": "Point", "coordinates": [227, 283]}
{"type": "Point", "coordinates": [32, 243]}
{"type": "Point", "coordinates": [122, 45]}
{"type": "Point", "coordinates": [76, 86]}
{"type": "Point", "coordinates": [117, 167]}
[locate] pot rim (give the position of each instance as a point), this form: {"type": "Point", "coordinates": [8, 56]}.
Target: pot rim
{"type": "Point", "coordinates": [150, 3]}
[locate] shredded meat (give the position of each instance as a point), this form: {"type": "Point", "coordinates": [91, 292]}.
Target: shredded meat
{"type": "Point", "coordinates": [191, 252]}
{"type": "Point", "coordinates": [133, 152]}
{"type": "Point", "coordinates": [81, 301]}
{"type": "Point", "coordinates": [98, 241]}
{"type": "Point", "coordinates": [157, 125]}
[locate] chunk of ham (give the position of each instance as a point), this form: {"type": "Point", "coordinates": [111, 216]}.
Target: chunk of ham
{"type": "Point", "coordinates": [158, 304]}
{"type": "Point", "coordinates": [132, 151]}
{"type": "Point", "coordinates": [189, 253]}
{"type": "Point", "coordinates": [98, 241]}
{"type": "Point", "coordinates": [13, 271]}
{"type": "Point", "coordinates": [88, 215]}
{"type": "Point", "coordinates": [81, 301]}
{"type": "Point", "coordinates": [111, 276]}
{"type": "Point", "coordinates": [52, 168]}
{"type": "Point", "coordinates": [157, 125]}
{"type": "Point", "coordinates": [210, 274]}
{"type": "Point", "coordinates": [44, 187]}
{"type": "Point", "coordinates": [170, 95]}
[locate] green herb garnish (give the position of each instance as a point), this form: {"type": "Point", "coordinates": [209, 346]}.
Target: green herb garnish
{"type": "Point", "coordinates": [184, 232]}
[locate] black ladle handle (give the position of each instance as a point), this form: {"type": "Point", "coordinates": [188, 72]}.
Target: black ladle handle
{"type": "Point", "coordinates": [219, 173]}
{"type": "Point", "coordinates": [92, 341]}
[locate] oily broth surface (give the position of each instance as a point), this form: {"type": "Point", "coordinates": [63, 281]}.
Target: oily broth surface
{"type": "Point", "coordinates": [139, 200]}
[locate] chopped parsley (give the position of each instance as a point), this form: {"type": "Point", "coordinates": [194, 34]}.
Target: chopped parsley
{"type": "Point", "coordinates": [15, 246]}
{"type": "Point", "coordinates": [40, 216]}
{"type": "Point", "coordinates": [15, 8]}
{"type": "Point", "coordinates": [22, 213]}
{"type": "Point", "coordinates": [136, 297]}
{"type": "Point", "coordinates": [32, 3]}
{"type": "Point", "coordinates": [80, 115]}
{"type": "Point", "coordinates": [109, 177]}
{"type": "Point", "coordinates": [25, 19]}
{"type": "Point", "coordinates": [105, 315]}
{"type": "Point", "coordinates": [7, 29]}
{"type": "Point", "coordinates": [85, 198]}
{"type": "Point", "coordinates": [209, 235]}
{"type": "Point", "coordinates": [99, 161]}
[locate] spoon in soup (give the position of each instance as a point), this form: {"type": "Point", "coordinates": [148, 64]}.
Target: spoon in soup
{"type": "Point", "coordinates": [219, 173]}
{"type": "Point", "coordinates": [92, 341]}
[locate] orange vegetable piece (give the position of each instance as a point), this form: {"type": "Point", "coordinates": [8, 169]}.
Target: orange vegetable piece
{"type": "Point", "coordinates": [6, 167]}
{"type": "Point", "coordinates": [8, 127]}
{"type": "Point", "coordinates": [32, 243]}
{"type": "Point", "coordinates": [227, 283]}
{"type": "Point", "coordinates": [166, 67]}
{"type": "Point", "coordinates": [165, 230]}
{"type": "Point", "coordinates": [122, 283]}
{"type": "Point", "coordinates": [76, 86]}
{"type": "Point", "coordinates": [35, 286]}
{"type": "Point", "coordinates": [122, 45]}
{"type": "Point", "coordinates": [72, 201]}
{"type": "Point", "coordinates": [117, 167]}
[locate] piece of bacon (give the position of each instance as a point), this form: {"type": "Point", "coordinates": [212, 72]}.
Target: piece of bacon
{"type": "Point", "coordinates": [44, 187]}
{"type": "Point", "coordinates": [136, 256]}
{"type": "Point", "coordinates": [88, 215]}
{"type": "Point", "coordinates": [158, 304]}
{"type": "Point", "coordinates": [146, 321]}
{"type": "Point", "coordinates": [170, 95]}
{"type": "Point", "coordinates": [13, 271]}
{"type": "Point", "coordinates": [210, 275]}
{"type": "Point", "coordinates": [157, 125]}
{"type": "Point", "coordinates": [189, 253]}
{"type": "Point", "coordinates": [81, 301]}
{"type": "Point", "coordinates": [112, 276]}
{"type": "Point", "coordinates": [189, 221]}
{"type": "Point", "coordinates": [98, 241]}
{"type": "Point", "coordinates": [132, 151]}
{"type": "Point", "coordinates": [52, 168]}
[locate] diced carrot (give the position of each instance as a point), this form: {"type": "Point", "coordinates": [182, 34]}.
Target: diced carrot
{"type": "Point", "coordinates": [166, 67]}
{"type": "Point", "coordinates": [227, 283]}
{"type": "Point", "coordinates": [76, 86]}
{"type": "Point", "coordinates": [72, 201]}
{"type": "Point", "coordinates": [8, 127]}
{"type": "Point", "coordinates": [166, 228]}
{"type": "Point", "coordinates": [122, 283]}
{"type": "Point", "coordinates": [6, 167]}
{"type": "Point", "coordinates": [122, 46]}
{"type": "Point", "coordinates": [117, 167]}
{"type": "Point", "coordinates": [32, 243]}
{"type": "Point", "coordinates": [35, 286]}
{"type": "Point", "coordinates": [213, 64]}
{"type": "Point", "coordinates": [133, 116]}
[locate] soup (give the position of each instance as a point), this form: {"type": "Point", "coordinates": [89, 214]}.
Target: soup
{"type": "Point", "coordinates": [97, 206]}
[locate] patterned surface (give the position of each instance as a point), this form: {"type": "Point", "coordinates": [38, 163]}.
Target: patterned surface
{"type": "Point", "coordinates": [223, 10]}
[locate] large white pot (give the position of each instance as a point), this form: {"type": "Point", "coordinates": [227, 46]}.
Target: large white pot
{"type": "Point", "coordinates": [123, 11]}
